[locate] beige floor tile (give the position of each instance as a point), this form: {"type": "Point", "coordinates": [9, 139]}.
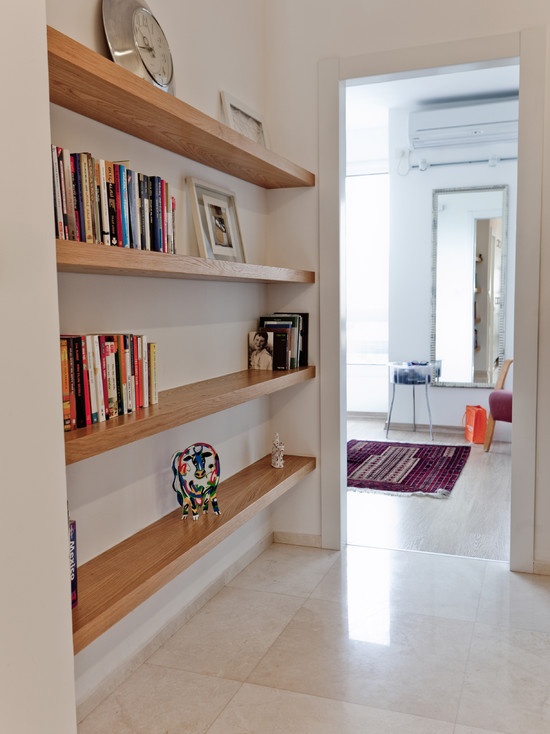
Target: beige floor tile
{"type": "Point", "coordinates": [516, 600]}
{"type": "Point", "coordinates": [369, 579]}
{"type": "Point", "coordinates": [286, 569]}
{"type": "Point", "coordinates": [230, 634]}
{"type": "Point", "coordinates": [158, 700]}
{"type": "Point", "coordinates": [474, 730]}
{"type": "Point", "coordinates": [257, 710]}
{"type": "Point", "coordinates": [507, 682]}
{"type": "Point", "coordinates": [408, 663]}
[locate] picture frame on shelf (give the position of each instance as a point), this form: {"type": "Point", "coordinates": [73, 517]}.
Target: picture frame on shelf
{"type": "Point", "coordinates": [243, 119]}
{"type": "Point", "coordinates": [216, 222]}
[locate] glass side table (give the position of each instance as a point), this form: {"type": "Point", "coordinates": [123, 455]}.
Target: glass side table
{"type": "Point", "coordinates": [413, 373]}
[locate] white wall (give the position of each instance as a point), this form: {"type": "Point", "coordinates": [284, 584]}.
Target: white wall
{"type": "Point", "coordinates": [306, 36]}
{"type": "Point", "coordinates": [200, 327]}
{"type": "Point", "coordinates": [411, 273]}
{"type": "Point", "coordinates": [36, 667]}
{"type": "Point", "coordinates": [219, 45]}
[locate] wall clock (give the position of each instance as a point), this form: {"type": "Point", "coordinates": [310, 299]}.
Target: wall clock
{"type": "Point", "coordinates": [137, 42]}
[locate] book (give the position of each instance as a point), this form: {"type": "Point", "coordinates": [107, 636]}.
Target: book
{"type": "Point", "coordinates": [86, 189]}
{"type": "Point", "coordinates": [104, 383]}
{"type": "Point", "coordinates": [281, 349]}
{"type": "Point", "coordinates": [58, 208]}
{"type": "Point", "coordinates": [65, 383]}
{"type": "Point", "coordinates": [133, 208]}
{"type": "Point", "coordinates": [110, 364]}
{"type": "Point", "coordinates": [153, 390]}
{"type": "Point", "coordinates": [72, 562]}
{"type": "Point", "coordinates": [123, 203]}
{"type": "Point", "coordinates": [275, 322]}
{"type": "Point", "coordinates": [69, 194]}
{"type": "Point", "coordinates": [97, 377]}
{"type": "Point", "coordinates": [145, 378]}
{"type": "Point", "coordinates": [94, 408]}
{"type": "Point", "coordinates": [143, 185]}
{"type": "Point", "coordinates": [101, 175]}
{"type": "Point", "coordinates": [303, 351]}
{"type": "Point", "coordinates": [156, 206]}
{"type": "Point", "coordinates": [111, 202]}
{"type": "Point", "coordinates": [77, 195]}
{"type": "Point", "coordinates": [64, 212]}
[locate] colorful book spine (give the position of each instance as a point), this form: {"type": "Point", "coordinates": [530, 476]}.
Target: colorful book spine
{"type": "Point", "coordinates": [58, 208]}
{"type": "Point", "coordinates": [72, 563]}
{"type": "Point", "coordinates": [153, 391]}
{"type": "Point", "coordinates": [65, 384]}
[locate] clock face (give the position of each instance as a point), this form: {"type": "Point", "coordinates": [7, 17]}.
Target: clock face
{"type": "Point", "coordinates": [152, 47]}
{"type": "Point", "coordinates": [137, 43]}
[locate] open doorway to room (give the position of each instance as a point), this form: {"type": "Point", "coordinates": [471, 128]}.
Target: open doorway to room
{"type": "Point", "coordinates": [391, 232]}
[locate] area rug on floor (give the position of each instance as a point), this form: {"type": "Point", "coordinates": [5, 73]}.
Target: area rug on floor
{"type": "Point", "coordinates": [405, 468]}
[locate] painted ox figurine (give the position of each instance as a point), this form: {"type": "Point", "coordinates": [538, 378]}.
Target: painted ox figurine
{"type": "Point", "coordinates": [197, 471]}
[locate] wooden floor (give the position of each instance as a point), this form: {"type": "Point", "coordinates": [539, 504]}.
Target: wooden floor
{"type": "Point", "coordinates": [474, 521]}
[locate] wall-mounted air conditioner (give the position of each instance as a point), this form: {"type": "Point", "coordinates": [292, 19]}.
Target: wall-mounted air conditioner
{"type": "Point", "coordinates": [470, 124]}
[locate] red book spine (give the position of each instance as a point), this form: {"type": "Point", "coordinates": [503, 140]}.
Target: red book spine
{"type": "Point", "coordinates": [103, 359]}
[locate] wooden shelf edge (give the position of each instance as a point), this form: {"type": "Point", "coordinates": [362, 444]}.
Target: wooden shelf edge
{"type": "Point", "coordinates": [180, 405]}
{"type": "Point", "coordinates": [117, 581]}
{"type": "Point", "coordinates": [81, 257]}
{"type": "Point", "coordinates": [86, 83]}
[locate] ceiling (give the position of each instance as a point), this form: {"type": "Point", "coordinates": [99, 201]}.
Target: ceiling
{"type": "Point", "coordinates": [367, 103]}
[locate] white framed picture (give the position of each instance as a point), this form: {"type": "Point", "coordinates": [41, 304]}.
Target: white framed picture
{"type": "Point", "coordinates": [216, 222]}
{"type": "Point", "coordinates": [243, 119]}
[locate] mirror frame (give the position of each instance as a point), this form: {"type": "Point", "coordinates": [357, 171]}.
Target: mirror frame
{"type": "Point", "coordinates": [504, 188]}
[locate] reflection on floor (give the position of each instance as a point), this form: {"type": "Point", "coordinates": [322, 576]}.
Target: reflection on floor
{"type": "Point", "coordinates": [312, 641]}
{"type": "Point", "coordinates": [474, 521]}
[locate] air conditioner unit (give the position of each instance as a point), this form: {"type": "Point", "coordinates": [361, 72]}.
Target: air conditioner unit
{"type": "Point", "coordinates": [470, 124]}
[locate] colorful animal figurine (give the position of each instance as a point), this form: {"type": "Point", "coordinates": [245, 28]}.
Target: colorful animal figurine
{"type": "Point", "coordinates": [197, 470]}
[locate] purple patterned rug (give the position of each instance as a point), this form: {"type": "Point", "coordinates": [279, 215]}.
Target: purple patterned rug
{"type": "Point", "coordinates": [405, 468]}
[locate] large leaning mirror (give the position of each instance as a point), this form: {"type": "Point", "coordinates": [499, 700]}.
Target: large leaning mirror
{"type": "Point", "coordinates": [468, 286]}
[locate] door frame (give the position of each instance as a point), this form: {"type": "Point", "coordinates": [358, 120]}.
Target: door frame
{"type": "Point", "coordinates": [530, 47]}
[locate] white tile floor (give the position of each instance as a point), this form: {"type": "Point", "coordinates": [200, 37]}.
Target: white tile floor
{"type": "Point", "coordinates": [307, 641]}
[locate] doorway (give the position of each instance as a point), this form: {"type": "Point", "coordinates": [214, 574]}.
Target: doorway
{"type": "Point", "coordinates": [334, 74]}
{"type": "Point", "coordinates": [384, 170]}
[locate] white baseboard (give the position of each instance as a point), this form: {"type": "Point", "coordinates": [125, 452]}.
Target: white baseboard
{"type": "Point", "coordinates": [118, 676]}
{"type": "Point", "coordinates": [310, 541]}
{"type": "Point", "coordinates": [542, 568]}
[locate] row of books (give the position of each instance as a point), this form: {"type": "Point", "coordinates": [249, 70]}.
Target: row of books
{"type": "Point", "coordinates": [104, 376]}
{"type": "Point", "coordinates": [280, 342]}
{"type": "Point", "coordinates": [107, 202]}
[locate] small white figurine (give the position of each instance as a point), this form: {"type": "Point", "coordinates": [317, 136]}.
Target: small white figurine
{"type": "Point", "coordinates": [277, 453]}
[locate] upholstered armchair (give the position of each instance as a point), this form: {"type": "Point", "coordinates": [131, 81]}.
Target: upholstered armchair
{"type": "Point", "coordinates": [500, 404]}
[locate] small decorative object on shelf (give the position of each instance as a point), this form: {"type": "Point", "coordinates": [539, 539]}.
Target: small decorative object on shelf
{"type": "Point", "coordinates": [197, 471]}
{"type": "Point", "coordinates": [216, 222]}
{"type": "Point", "coordinates": [260, 350]}
{"type": "Point", "coordinates": [243, 119]}
{"type": "Point", "coordinates": [137, 42]}
{"type": "Point", "coordinates": [277, 453]}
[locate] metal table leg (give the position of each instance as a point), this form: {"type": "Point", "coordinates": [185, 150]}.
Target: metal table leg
{"type": "Point", "coordinates": [390, 410]}
{"type": "Point", "coordinates": [429, 411]}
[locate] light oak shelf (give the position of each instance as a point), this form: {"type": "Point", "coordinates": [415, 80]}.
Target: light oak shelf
{"type": "Point", "coordinates": [178, 406]}
{"type": "Point", "coordinates": [114, 583]}
{"type": "Point", "coordinates": [79, 257]}
{"type": "Point", "coordinates": [85, 82]}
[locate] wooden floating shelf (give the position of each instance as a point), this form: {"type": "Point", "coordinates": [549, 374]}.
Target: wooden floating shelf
{"type": "Point", "coordinates": [85, 82]}
{"type": "Point", "coordinates": [177, 406]}
{"type": "Point", "coordinates": [79, 257]}
{"type": "Point", "coordinates": [114, 583]}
